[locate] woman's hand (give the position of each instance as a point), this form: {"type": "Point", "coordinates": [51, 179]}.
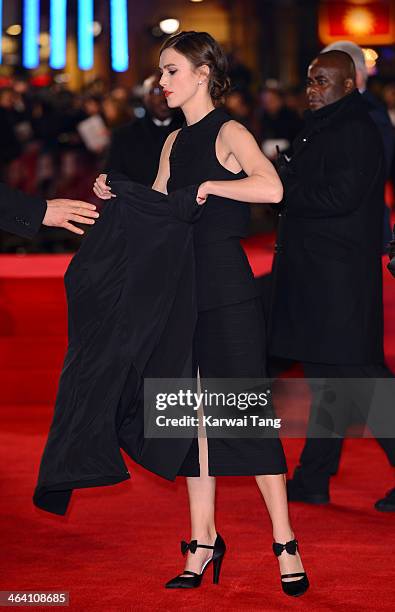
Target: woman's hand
{"type": "Point", "coordinates": [102, 190]}
{"type": "Point", "coordinates": [203, 193]}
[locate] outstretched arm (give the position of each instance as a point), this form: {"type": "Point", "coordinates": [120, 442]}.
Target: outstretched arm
{"type": "Point", "coordinates": [22, 214]}
{"type": "Point", "coordinates": [262, 184]}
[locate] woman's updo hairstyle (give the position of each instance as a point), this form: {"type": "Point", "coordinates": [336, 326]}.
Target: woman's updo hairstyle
{"type": "Point", "coordinates": [200, 48]}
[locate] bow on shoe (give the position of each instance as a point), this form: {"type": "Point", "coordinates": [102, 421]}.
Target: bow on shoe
{"type": "Point", "coordinates": [290, 547]}
{"type": "Point", "coordinates": [192, 546]}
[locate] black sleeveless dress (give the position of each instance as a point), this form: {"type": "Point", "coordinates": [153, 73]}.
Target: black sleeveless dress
{"type": "Point", "coordinates": [229, 339]}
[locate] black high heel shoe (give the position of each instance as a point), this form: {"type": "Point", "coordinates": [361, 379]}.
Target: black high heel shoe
{"type": "Point", "coordinates": [183, 582]}
{"type": "Point", "coordinates": [294, 587]}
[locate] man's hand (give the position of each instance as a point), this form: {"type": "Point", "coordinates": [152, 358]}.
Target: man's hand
{"type": "Point", "coordinates": [102, 190]}
{"type": "Point", "coordinates": [60, 212]}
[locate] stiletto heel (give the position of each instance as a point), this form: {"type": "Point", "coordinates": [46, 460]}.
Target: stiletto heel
{"type": "Point", "coordinates": [294, 587]}
{"type": "Point", "coordinates": [183, 582]}
{"type": "Point", "coordinates": [217, 569]}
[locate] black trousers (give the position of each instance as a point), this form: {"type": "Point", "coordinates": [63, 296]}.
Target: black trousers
{"type": "Point", "coordinates": [229, 342]}
{"type": "Point", "coordinates": [320, 456]}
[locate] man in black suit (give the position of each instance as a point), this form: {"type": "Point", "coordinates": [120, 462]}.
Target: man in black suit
{"type": "Point", "coordinates": [23, 215]}
{"type": "Point", "coordinates": [136, 147]}
{"type": "Point", "coordinates": [378, 113]}
{"type": "Point", "coordinates": [327, 300]}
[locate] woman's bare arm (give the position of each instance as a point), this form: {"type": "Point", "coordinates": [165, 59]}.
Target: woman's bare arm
{"type": "Point", "coordinates": [262, 184]}
{"type": "Point", "coordinates": [160, 183]}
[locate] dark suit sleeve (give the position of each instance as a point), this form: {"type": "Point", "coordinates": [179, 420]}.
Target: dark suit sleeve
{"type": "Point", "coordinates": [351, 168]}
{"type": "Point", "coordinates": [20, 214]}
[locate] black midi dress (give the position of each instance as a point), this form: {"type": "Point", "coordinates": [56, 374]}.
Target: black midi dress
{"type": "Point", "coordinates": [229, 339]}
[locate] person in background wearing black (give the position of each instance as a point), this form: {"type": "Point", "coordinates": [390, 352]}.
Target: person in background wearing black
{"type": "Point", "coordinates": [378, 113]}
{"type": "Point", "coordinates": [327, 309]}
{"type": "Point", "coordinates": [23, 215]}
{"type": "Point", "coordinates": [135, 148]}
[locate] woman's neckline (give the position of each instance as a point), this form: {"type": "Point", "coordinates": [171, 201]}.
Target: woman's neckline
{"type": "Point", "coordinates": [202, 120]}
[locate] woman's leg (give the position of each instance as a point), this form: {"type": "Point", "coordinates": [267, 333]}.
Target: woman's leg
{"type": "Point", "coordinates": [230, 343]}
{"type": "Point", "coordinates": [201, 492]}
{"type": "Point", "coordinates": [274, 492]}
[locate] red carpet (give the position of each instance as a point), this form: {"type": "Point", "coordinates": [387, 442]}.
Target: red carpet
{"type": "Point", "coordinates": [118, 545]}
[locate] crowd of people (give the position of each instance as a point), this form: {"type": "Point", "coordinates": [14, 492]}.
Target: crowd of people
{"type": "Point", "coordinates": [53, 141]}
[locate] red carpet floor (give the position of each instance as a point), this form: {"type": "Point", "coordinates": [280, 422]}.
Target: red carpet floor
{"type": "Point", "coordinates": [118, 545]}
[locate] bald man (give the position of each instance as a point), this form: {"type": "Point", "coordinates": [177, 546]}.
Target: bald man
{"type": "Point", "coordinates": [327, 298]}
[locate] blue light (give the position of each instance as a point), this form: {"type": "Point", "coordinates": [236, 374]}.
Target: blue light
{"type": "Point", "coordinates": [119, 36]}
{"type": "Point", "coordinates": [30, 32]}
{"type": "Point", "coordinates": [57, 31]}
{"type": "Point", "coordinates": [1, 30]}
{"type": "Point", "coordinates": [85, 34]}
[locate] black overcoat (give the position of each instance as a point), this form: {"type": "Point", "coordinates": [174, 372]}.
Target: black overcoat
{"type": "Point", "coordinates": [327, 300]}
{"type": "Point", "coordinates": [132, 313]}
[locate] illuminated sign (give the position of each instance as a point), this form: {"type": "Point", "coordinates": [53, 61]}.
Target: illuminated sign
{"type": "Point", "coordinates": [1, 27]}
{"type": "Point", "coordinates": [366, 23]}
{"type": "Point", "coordinates": [57, 37]}
{"type": "Point", "coordinates": [30, 33]}
{"type": "Point", "coordinates": [119, 36]}
{"type": "Point", "coordinates": [57, 33]}
{"type": "Point", "coordinates": [85, 34]}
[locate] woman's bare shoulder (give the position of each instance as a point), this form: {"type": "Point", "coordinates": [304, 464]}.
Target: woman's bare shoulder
{"type": "Point", "coordinates": [232, 133]}
{"type": "Point", "coordinates": [233, 128]}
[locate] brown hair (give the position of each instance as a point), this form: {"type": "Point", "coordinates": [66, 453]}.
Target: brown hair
{"type": "Point", "coordinates": [200, 48]}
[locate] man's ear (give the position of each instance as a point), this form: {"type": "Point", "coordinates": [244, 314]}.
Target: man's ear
{"type": "Point", "coordinates": [349, 85]}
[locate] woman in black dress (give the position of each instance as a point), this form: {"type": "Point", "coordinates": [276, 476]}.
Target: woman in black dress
{"type": "Point", "coordinates": [221, 156]}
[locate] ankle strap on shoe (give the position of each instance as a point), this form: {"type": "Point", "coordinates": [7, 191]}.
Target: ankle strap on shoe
{"type": "Point", "coordinates": [291, 547]}
{"type": "Point", "coordinates": [294, 575]}
{"type": "Point", "coordinates": [192, 546]}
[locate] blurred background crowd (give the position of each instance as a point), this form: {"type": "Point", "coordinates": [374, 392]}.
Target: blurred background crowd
{"type": "Point", "coordinates": [59, 129]}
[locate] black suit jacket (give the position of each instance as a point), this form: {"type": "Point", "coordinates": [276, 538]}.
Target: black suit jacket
{"type": "Point", "coordinates": [132, 313]}
{"type": "Point", "coordinates": [20, 214]}
{"type": "Point", "coordinates": [327, 301]}
{"type": "Point", "coordinates": [136, 147]}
